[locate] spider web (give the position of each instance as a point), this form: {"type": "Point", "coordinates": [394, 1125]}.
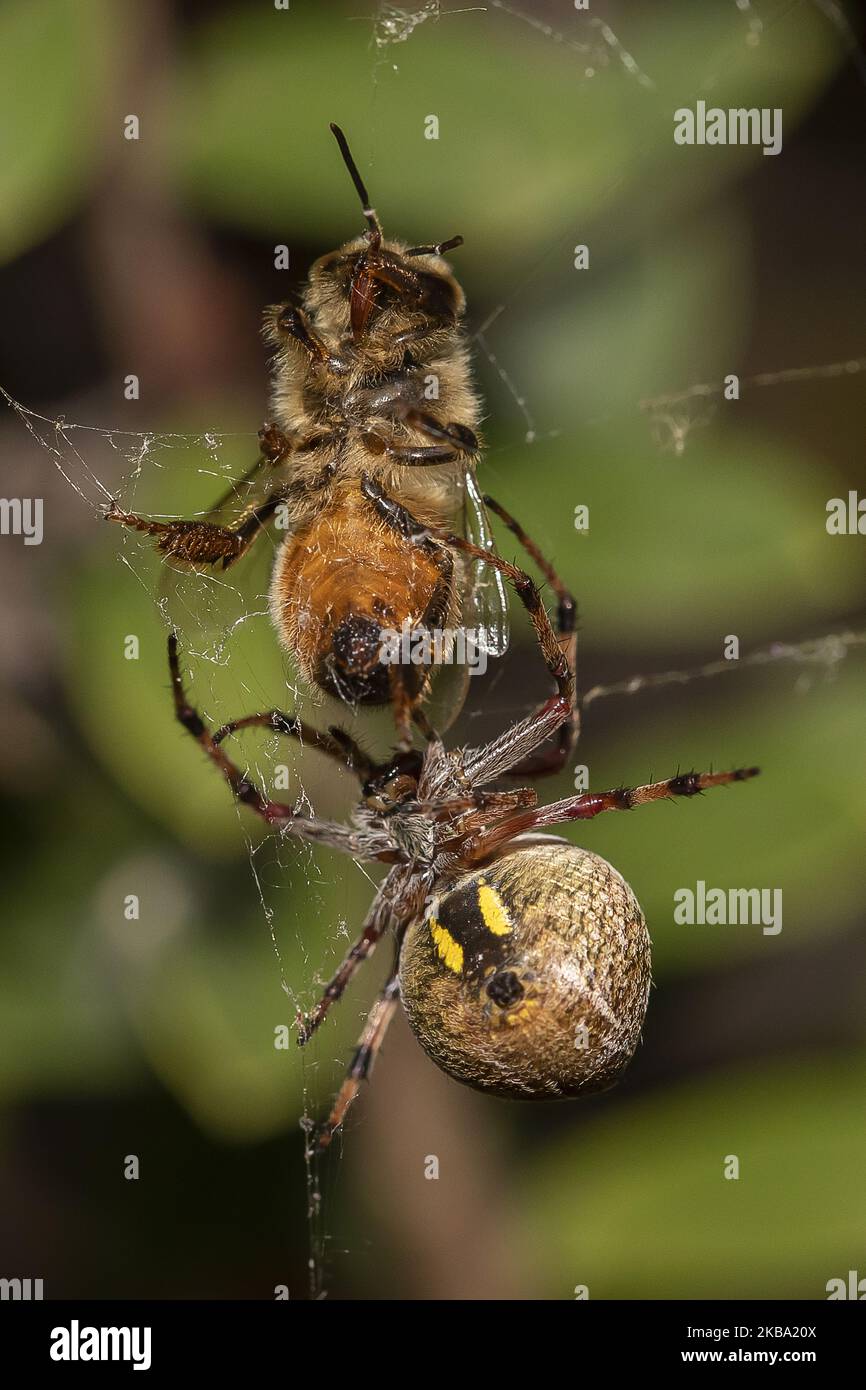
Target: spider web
{"type": "Point", "coordinates": [213, 613]}
{"type": "Point", "coordinates": [208, 638]}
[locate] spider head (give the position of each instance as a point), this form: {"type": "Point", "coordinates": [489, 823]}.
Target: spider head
{"type": "Point", "coordinates": [395, 784]}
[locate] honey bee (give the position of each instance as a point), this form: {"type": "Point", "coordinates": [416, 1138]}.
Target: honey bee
{"type": "Point", "coordinates": [368, 465]}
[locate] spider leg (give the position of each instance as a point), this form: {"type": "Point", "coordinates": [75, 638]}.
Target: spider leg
{"type": "Point", "coordinates": [378, 920]}
{"type": "Point", "coordinates": [562, 707]}
{"type": "Point", "coordinates": [336, 742]}
{"type": "Point", "coordinates": [464, 443]}
{"type": "Point", "coordinates": [491, 803]}
{"type": "Point", "coordinates": [363, 1058]}
{"type": "Point", "coordinates": [497, 758]}
{"type": "Point", "coordinates": [274, 812]}
{"type": "Point", "coordinates": [557, 754]}
{"type": "Point", "coordinates": [555, 656]}
{"type": "Point", "coordinates": [590, 804]}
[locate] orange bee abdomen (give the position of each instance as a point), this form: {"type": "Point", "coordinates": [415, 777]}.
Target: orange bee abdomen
{"type": "Point", "coordinates": [341, 584]}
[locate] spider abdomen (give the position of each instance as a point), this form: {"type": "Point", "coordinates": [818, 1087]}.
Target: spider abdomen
{"type": "Point", "coordinates": [530, 978]}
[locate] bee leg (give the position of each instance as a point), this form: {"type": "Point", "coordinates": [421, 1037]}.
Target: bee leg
{"type": "Point", "coordinates": [407, 706]}
{"type": "Point", "coordinates": [591, 804]}
{"type": "Point", "coordinates": [398, 517]}
{"type": "Point", "coordinates": [364, 1056]}
{"type": "Point", "coordinates": [423, 332]}
{"type": "Point", "coordinates": [462, 439]}
{"type": "Point", "coordinates": [201, 542]}
{"type": "Point", "coordinates": [556, 646]}
{"type": "Point", "coordinates": [413, 455]}
{"type": "Point", "coordinates": [273, 444]}
{"type": "Point", "coordinates": [422, 723]}
{"type": "Point", "coordinates": [456, 442]}
{"type": "Point", "coordinates": [434, 619]}
{"type": "Point", "coordinates": [401, 703]}
{"type": "Point", "coordinates": [293, 323]}
{"type": "Point", "coordinates": [408, 711]}
{"type": "Point", "coordinates": [557, 754]}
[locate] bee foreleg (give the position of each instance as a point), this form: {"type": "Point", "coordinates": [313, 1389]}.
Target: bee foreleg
{"type": "Point", "coordinates": [457, 442]}
{"type": "Point", "coordinates": [289, 322]}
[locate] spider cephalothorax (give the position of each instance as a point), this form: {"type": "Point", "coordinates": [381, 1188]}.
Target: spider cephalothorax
{"type": "Point", "coordinates": [523, 961]}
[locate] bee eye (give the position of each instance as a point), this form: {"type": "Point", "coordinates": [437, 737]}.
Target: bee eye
{"type": "Point", "coordinates": [438, 295]}
{"type": "Point", "coordinates": [331, 263]}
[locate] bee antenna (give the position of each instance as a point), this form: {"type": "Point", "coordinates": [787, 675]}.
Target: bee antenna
{"type": "Point", "coordinates": [360, 189]}
{"type": "Point", "coordinates": [436, 250]}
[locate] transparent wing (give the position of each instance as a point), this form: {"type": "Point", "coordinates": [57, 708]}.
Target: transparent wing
{"type": "Point", "coordinates": [208, 604]}
{"type": "Point", "coordinates": [485, 608]}
{"type": "Point", "coordinates": [248, 492]}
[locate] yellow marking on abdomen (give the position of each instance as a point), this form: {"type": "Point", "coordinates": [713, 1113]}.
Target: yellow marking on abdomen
{"type": "Point", "coordinates": [450, 952]}
{"type": "Point", "coordinates": [493, 910]}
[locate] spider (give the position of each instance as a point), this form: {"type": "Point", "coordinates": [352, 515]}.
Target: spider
{"type": "Point", "coordinates": [521, 960]}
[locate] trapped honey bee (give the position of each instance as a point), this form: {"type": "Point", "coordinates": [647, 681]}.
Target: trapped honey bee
{"type": "Point", "coordinates": [369, 459]}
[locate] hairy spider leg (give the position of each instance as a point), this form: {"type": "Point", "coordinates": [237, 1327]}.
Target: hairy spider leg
{"type": "Point", "coordinates": [590, 804]}
{"type": "Point", "coordinates": [364, 1056]}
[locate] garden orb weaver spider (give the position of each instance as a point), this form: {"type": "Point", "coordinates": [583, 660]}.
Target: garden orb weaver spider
{"type": "Point", "coordinates": [522, 961]}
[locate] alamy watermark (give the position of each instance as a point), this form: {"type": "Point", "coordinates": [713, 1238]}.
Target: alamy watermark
{"type": "Point", "coordinates": [77, 1343]}
{"type": "Point", "coordinates": [20, 1290]}
{"type": "Point", "coordinates": [729, 907]}
{"type": "Point", "coordinates": [852, 1287]}
{"type": "Point", "coordinates": [738, 125]}
{"type": "Point", "coordinates": [22, 516]}
{"type": "Point", "coordinates": [425, 646]}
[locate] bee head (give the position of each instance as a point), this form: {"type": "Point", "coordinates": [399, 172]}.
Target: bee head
{"type": "Point", "coordinates": [375, 273]}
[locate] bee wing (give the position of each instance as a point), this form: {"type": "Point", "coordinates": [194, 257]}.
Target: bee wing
{"type": "Point", "coordinates": [208, 604]}
{"type": "Point", "coordinates": [447, 695]}
{"type": "Point", "coordinates": [485, 607]}
{"type": "Point", "coordinates": [248, 492]}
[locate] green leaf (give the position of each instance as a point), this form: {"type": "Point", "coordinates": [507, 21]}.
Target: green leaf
{"type": "Point", "coordinates": [56, 58]}
{"type": "Point", "coordinates": [799, 827]}
{"type": "Point", "coordinates": [260, 87]}
{"type": "Point", "coordinates": [636, 1205]}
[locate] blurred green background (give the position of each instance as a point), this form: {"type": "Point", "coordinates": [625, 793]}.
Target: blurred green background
{"type": "Point", "coordinates": [154, 257]}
